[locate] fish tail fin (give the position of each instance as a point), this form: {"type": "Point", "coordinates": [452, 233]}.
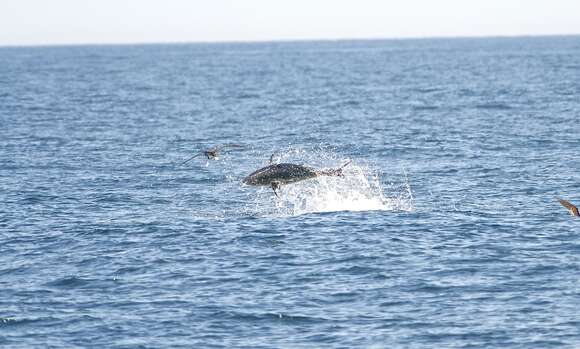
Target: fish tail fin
{"type": "Point", "coordinates": [334, 172]}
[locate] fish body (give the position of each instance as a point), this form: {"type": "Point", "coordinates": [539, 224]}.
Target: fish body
{"type": "Point", "coordinates": [280, 174]}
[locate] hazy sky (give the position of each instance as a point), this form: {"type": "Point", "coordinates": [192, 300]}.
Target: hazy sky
{"type": "Point", "coordinates": [25, 22]}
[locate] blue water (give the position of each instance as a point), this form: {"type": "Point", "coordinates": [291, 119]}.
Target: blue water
{"type": "Point", "coordinates": [444, 233]}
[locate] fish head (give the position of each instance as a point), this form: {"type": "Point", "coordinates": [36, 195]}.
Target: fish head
{"type": "Point", "coordinates": [247, 180]}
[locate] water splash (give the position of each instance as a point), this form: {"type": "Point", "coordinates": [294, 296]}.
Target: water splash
{"type": "Point", "coordinates": [359, 190]}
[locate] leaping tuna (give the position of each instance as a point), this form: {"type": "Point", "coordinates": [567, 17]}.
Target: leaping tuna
{"type": "Point", "coordinates": [277, 174]}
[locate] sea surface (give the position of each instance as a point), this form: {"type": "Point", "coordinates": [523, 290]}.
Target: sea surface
{"type": "Point", "coordinates": [445, 231]}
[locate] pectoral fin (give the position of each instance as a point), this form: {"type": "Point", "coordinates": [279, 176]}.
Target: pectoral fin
{"type": "Point", "coordinates": [275, 185]}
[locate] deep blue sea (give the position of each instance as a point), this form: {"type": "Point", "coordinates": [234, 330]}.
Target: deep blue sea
{"type": "Point", "coordinates": [445, 231]}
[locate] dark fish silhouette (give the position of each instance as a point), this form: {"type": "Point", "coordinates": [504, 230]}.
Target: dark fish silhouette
{"type": "Point", "coordinates": [212, 152]}
{"type": "Point", "coordinates": [571, 208]}
{"type": "Point", "coordinates": [278, 174]}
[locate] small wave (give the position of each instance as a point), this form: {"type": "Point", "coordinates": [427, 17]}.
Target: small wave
{"type": "Point", "coordinates": [427, 89]}
{"type": "Point", "coordinates": [425, 107]}
{"type": "Point", "coordinates": [8, 320]}
{"type": "Point", "coordinates": [248, 96]}
{"type": "Point", "coordinates": [69, 282]}
{"type": "Point", "coordinates": [269, 317]}
{"type": "Point", "coordinates": [359, 270]}
{"type": "Point", "coordinates": [496, 106]}
{"type": "Point", "coordinates": [11, 321]}
{"type": "Point", "coordinates": [349, 102]}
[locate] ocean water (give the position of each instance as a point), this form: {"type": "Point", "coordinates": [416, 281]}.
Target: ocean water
{"type": "Point", "coordinates": [443, 233]}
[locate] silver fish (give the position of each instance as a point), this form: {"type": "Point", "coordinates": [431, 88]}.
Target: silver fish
{"type": "Point", "coordinates": [278, 174]}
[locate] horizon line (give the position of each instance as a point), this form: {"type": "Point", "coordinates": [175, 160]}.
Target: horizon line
{"type": "Point", "coordinates": [289, 40]}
